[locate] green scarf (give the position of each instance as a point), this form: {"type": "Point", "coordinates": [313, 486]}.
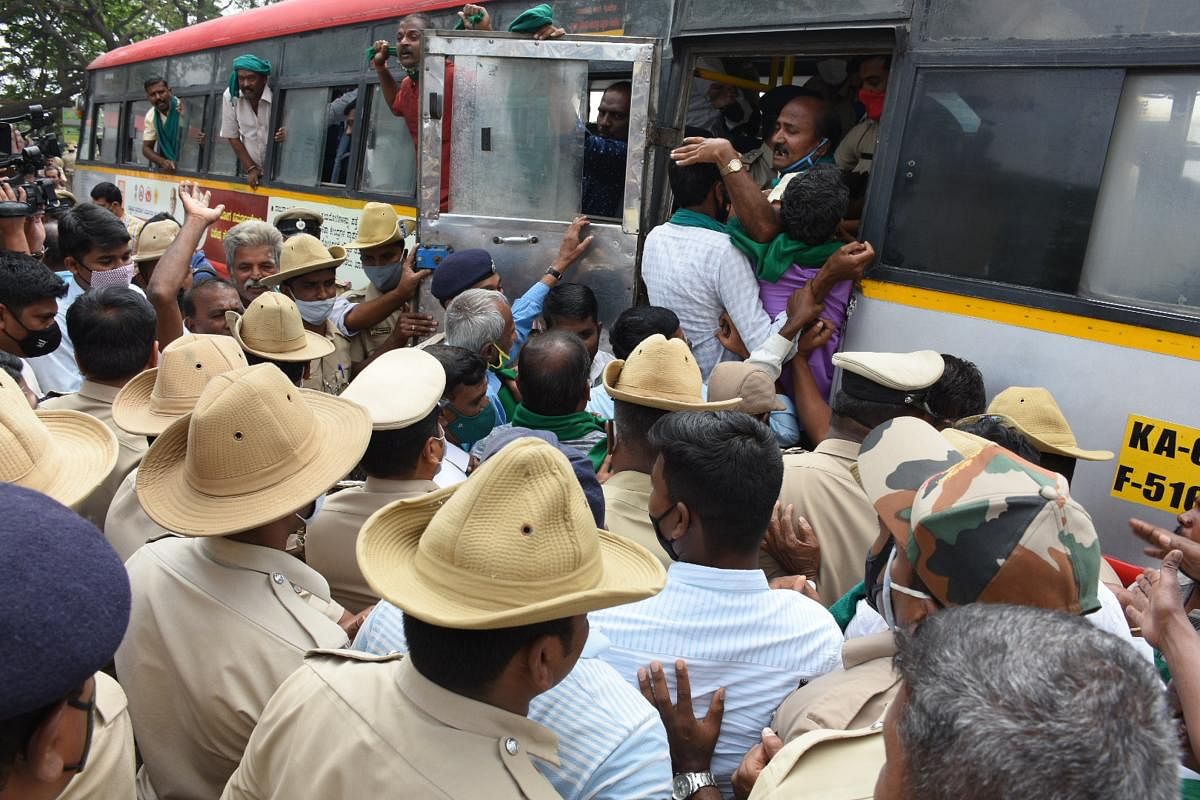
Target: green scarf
{"type": "Point", "coordinates": [773, 259]}
{"type": "Point", "coordinates": [570, 426]}
{"type": "Point", "coordinates": [248, 62]}
{"type": "Point", "coordinates": [505, 394]}
{"type": "Point", "coordinates": [694, 219]}
{"type": "Point", "coordinates": [475, 20]}
{"type": "Point", "coordinates": [533, 20]}
{"type": "Point", "coordinates": [168, 132]}
{"type": "Point", "coordinates": [843, 610]}
{"type": "Point", "coordinates": [1190, 789]}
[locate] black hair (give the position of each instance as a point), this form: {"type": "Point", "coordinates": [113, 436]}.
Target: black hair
{"type": "Point", "coordinates": [394, 453]}
{"type": "Point", "coordinates": [959, 392]}
{"type": "Point", "coordinates": [814, 203]}
{"type": "Point", "coordinates": [853, 65]}
{"type": "Point", "coordinates": [52, 258]}
{"type": "Point", "coordinates": [621, 86]}
{"type": "Point", "coordinates": [162, 216]}
{"type": "Point", "coordinates": [24, 281]}
{"type": "Point", "coordinates": [294, 370]}
{"type": "Point", "coordinates": [691, 184]}
{"type": "Point", "coordinates": [113, 332]}
{"type": "Point", "coordinates": [466, 662]}
{"type": "Point", "coordinates": [726, 467]}
{"type": "Point", "coordinates": [463, 368]}
{"type": "Point", "coordinates": [639, 323]}
{"type": "Point", "coordinates": [997, 431]}
{"type": "Point", "coordinates": [87, 226]}
{"type": "Point", "coordinates": [153, 79]}
{"type": "Point", "coordinates": [187, 300]}
{"type": "Point", "coordinates": [552, 373]}
{"type": "Point", "coordinates": [633, 422]}
{"type": "Point", "coordinates": [869, 412]}
{"type": "Point", "coordinates": [570, 301]}
{"type": "Point", "coordinates": [106, 190]}
{"type": "Point", "coordinates": [773, 101]}
{"type": "Point", "coordinates": [11, 364]}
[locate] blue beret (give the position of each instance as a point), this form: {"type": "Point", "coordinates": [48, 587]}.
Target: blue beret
{"type": "Point", "coordinates": [585, 473]}
{"type": "Point", "coordinates": [460, 271]}
{"type": "Point", "coordinates": [65, 595]}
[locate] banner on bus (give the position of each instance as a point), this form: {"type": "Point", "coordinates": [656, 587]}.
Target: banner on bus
{"type": "Point", "coordinates": [1159, 465]}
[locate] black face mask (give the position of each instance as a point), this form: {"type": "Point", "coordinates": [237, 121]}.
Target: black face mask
{"type": "Point", "coordinates": [662, 540]}
{"type": "Point", "coordinates": [876, 563]}
{"type": "Point", "coordinates": [39, 343]}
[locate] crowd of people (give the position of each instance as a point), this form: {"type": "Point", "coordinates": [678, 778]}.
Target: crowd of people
{"type": "Point", "coordinates": [266, 538]}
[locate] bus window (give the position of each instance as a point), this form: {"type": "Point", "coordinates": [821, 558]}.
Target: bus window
{"type": "Point", "coordinates": [195, 110]}
{"type": "Point", "coordinates": [106, 119]}
{"type": "Point", "coordinates": [316, 131]}
{"type": "Point", "coordinates": [998, 173]}
{"type": "Point", "coordinates": [390, 158]}
{"type": "Point", "coordinates": [132, 152]}
{"type": "Point", "coordinates": [193, 69]}
{"type": "Point", "coordinates": [1143, 244]}
{"type": "Point", "coordinates": [223, 161]}
{"type": "Point", "coordinates": [326, 52]}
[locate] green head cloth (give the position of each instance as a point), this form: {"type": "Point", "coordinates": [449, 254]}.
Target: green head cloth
{"type": "Point", "coordinates": [533, 20]}
{"type": "Point", "coordinates": [249, 62]}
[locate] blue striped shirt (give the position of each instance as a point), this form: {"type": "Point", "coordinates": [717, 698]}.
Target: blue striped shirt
{"type": "Point", "coordinates": [733, 631]}
{"type": "Point", "coordinates": [611, 743]}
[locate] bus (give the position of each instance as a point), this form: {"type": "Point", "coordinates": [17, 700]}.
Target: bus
{"type": "Point", "coordinates": [1032, 196]}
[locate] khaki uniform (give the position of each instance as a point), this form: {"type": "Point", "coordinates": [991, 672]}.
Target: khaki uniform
{"type": "Point", "coordinates": [216, 626]}
{"type": "Point", "coordinates": [825, 492]}
{"type": "Point", "coordinates": [856, 151]}
{"type": "Point", "coordinates": [331, 373]}
{"type": "Point", "coordinates": [127, 527]}
{"type": "Point", "coordinates": [829, 764]}
{"type": "Point", "coordinates": [97, 399]}
{"type": "Point", "coordinates": [365, 726]}
{"type": "Point", "coordinates": [626, 511]}
{"type": "Point", "coordinates": [329, 544]}
{"type": "Point", "coordinates": [109, 774]}
{"type": "Point", "coordinates": [854, 697]}
{"type": "Point", "coordinates": [376, 335]}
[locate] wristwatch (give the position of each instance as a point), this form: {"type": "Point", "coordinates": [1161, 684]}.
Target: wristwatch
{"type": "Point", "coordinates": [735, 165]}
{"type": "Point", "coordinates": [686, 784]}
{"type": "Point", "coordinates": [554, 273]}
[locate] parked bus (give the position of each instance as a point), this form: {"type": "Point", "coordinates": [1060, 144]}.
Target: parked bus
{"type": "Point", "coordinates": [1032, 196]}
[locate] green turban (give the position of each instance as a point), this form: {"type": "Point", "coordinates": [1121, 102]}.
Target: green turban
{"type": "Point", "coordinates": [248, 62]}
{"type": "Point", "coordinates": [533, 20]}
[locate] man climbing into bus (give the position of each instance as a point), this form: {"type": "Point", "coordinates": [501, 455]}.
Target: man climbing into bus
{"type": "Point", "coordinates": [246, 114]}
{"type": "Point", "coordinates": [162, 134]}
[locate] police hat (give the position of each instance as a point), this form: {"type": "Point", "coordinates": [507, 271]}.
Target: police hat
{"type": "Point", "coordinates": [894, 378]}
{"type": "Point", "coordinates": [299, 220]}
{"type": "Point", "coordinates": [460, 271]}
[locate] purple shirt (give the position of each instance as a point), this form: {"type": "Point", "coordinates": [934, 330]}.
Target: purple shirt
{"type": "Point", "coordinates": [774, 299]}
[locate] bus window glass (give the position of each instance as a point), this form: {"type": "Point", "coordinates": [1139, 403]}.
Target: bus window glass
{"type": "Point", "coordinates": [326, 52]}
{"type": "Point", "coordinates": [340, 116]}
{"type": "Point", "coordinates": [267, 49]}
{"type": "Point", "coordinates": [998, 173]}
{"type": "Point", "coordinates": [389, 161]}
{"type": "Point", "coordinates": [140, 73]}
{"type": "Point", "coordinates": [726, 14]}
{"type": "Point", "coordinates": [193, 69]}
{"type": "Point", "coordinates": [195, 110]}
{"type": "Point", "coordinates": [1143, 245]}
{"type": "Point", "coordinates": [106, 122]}
{"type": "Point", "coordinates": [137, 125]}
{"type": "Point", "coordinates": [110, 82]}
{"type": "Point", "coordinates": [518, 137]}
{"type": "Point", "coordinates": [1057, 19]}
{"type": "Point", "coordinates": [223, 160]}
{"type": "Point", "coordinates": [304, 118]}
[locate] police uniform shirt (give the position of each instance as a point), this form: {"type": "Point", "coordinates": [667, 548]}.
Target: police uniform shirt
{"type": "Point", "coordinates": [826, 493]}
{"type": "Point", "coordinates": [376, 335]}
{"type": "Point", "coordinates": [626, 511]}
{"type": "Point", "coordinates": [332, 373]}
{"type": "Point", "coordinates": [369, 726]}
{"type": "Point", "coordinates": [216, 626]}
{"type": "Point", "coordinates": [857, 149]}
{"type": "Point", "coordinates": [127, 526]}
{"type": "Point", "coordinates": [329, 544]}
{"type": "Point", "coordinates": [97, 399]}
{"type": "Point", "coordinates": [829, 764]}
{"type": "Point", "coordinates": [109, 773]}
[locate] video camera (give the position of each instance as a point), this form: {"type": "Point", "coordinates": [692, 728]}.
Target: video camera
{"type": "Point", "coordinates": [40, 193]}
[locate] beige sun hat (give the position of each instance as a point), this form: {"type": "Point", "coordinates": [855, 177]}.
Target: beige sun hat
{"type": "Point", "coordinates": [745, 380]}
{"type": "Point", "coordinates": [514, 545]}
{"type": "Point", "coordinates": [254, 450]}
{"type": "Point", "coordinates": [159, 396]}
{"type": "Point", "coordinates": [154, 239]}
{"type": "Point", "coordinates": [62, 454]}
{"type": "Point", "coordinates": [303, 254]}
{"type": "Point", "coordinates": [1033, 411]}
{"type": "Point", "coordinates": [399, 387]}
{"type": "Point", "coordinates": [272, 329]}
{"type": "Point", "coordinates": [661, 373]}
{"type": "Point", "coordinates": [378, 224]}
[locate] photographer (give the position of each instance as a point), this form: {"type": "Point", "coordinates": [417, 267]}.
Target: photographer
{"type": "Point", "coordinates": [21, 230]}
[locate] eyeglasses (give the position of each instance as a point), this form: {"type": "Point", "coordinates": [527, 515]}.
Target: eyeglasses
{"type": "Point", "coordinates": [88, 708]}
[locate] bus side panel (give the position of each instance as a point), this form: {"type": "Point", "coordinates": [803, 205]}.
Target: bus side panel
{"type": "Point", "coordinates": [1098, 386]}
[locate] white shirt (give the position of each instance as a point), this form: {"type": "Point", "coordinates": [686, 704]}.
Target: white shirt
{"type": "Point", "coordinates": [242, 122]}
{"type": "Point", "coordinates": [734, 632]}
{"type": "Point", "coordinates": [599, 363]}
{"type": "Point", "coordinates": [454, 466]}
{"type": "Point", "coordinates": [698, 273]}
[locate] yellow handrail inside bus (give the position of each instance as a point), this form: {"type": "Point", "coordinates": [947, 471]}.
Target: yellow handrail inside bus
{"type": "Point", "coordinates": [774, 71]}
{"type": "Point", "coordinates": [730, 80]}
{"type": "Point", "coordinates": [789, 69]}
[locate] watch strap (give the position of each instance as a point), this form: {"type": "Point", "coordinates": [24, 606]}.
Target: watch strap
{"type": "Point", "coordinates": [554, 273]}
{"type": "Point", "coordinates": [686, 784]}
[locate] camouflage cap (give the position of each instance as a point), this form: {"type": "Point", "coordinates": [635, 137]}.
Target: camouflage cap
{"type": "Point", "coordinates": [989, 528]}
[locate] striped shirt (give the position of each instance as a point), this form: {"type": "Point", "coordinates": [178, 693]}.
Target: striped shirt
{"type": "Point", "coordinates": [733, 631]}
{"type": "Point", "coordinates": [611, 743]}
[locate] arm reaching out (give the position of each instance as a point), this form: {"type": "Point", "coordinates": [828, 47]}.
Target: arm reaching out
{"type": "Point", "coordinates": [173, 268]}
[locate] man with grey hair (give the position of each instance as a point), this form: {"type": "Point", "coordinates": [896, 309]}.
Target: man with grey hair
{"type": "Point", "coordinates": [480, 320]}
{"type": "Point", "coordinates": [1012, 701]}
{"type": "Point", "coordinates": [252, 251]}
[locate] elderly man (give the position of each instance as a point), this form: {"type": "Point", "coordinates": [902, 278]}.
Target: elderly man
{"type": "Point", "coordinates": [456, 706]}
{"type": "Point", "coordinates": [236, 477]}
{"type": "Point", "coordinates": [714, 484]}
{"type": "Point", "coordinates": [114, 332]}
{"type": "Point", "coordinates": [252, 252]}
{"type": "Point", "coordinates": [246, 115]}
{"type": "Point", "coordinates": [402, 390]}
{"type": "Point", "coordinates": [480, 321]}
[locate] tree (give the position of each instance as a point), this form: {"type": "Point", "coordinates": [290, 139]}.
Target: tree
{"type": "Point", "coordinates": [46, 45]}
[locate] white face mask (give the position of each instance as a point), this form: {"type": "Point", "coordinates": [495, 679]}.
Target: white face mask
{"type": "Point", "coordinates": [314, 312]}
{"type": "Point", "coordinates": [889, 613]}
{"type": "Point", "coordinates": [117, 276]}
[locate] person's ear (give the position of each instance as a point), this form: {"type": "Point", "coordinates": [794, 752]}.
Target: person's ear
{"type": "Point", "coordinates": [152, 362]}
{"type": "Point", "coordinates": [683, 520]}
{"type": "Point", "coordinates": [45, 761]}
{"type": "Point", "coordinates": [544, 662]}
{"type": "Point", "coordinates": [433, 451]}
{"type": "Point", "coordinates": [71, 263]}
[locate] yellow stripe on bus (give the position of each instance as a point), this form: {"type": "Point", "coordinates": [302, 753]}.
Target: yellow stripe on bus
{"type": "Point", "coordinates": [1115, 333]}
{"type": "Point", "coordinates": [269, 191]}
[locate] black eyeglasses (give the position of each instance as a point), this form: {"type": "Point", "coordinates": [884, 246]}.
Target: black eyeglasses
{"type": "Point", "coordinates": [88, 708]}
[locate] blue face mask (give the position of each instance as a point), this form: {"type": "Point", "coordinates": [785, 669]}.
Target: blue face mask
{"type": "Point", "coordinates": [314, 312]}
{"type": "Point", "coordinates": [469, 430]}
{"type": "Point", "coordinates": [385, 277]}
{"type": "Point", "coordinates": [806, 163]}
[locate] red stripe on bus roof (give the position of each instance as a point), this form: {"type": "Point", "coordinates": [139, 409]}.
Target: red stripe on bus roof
{"type": "Point", "coordinates": [281, 19]}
